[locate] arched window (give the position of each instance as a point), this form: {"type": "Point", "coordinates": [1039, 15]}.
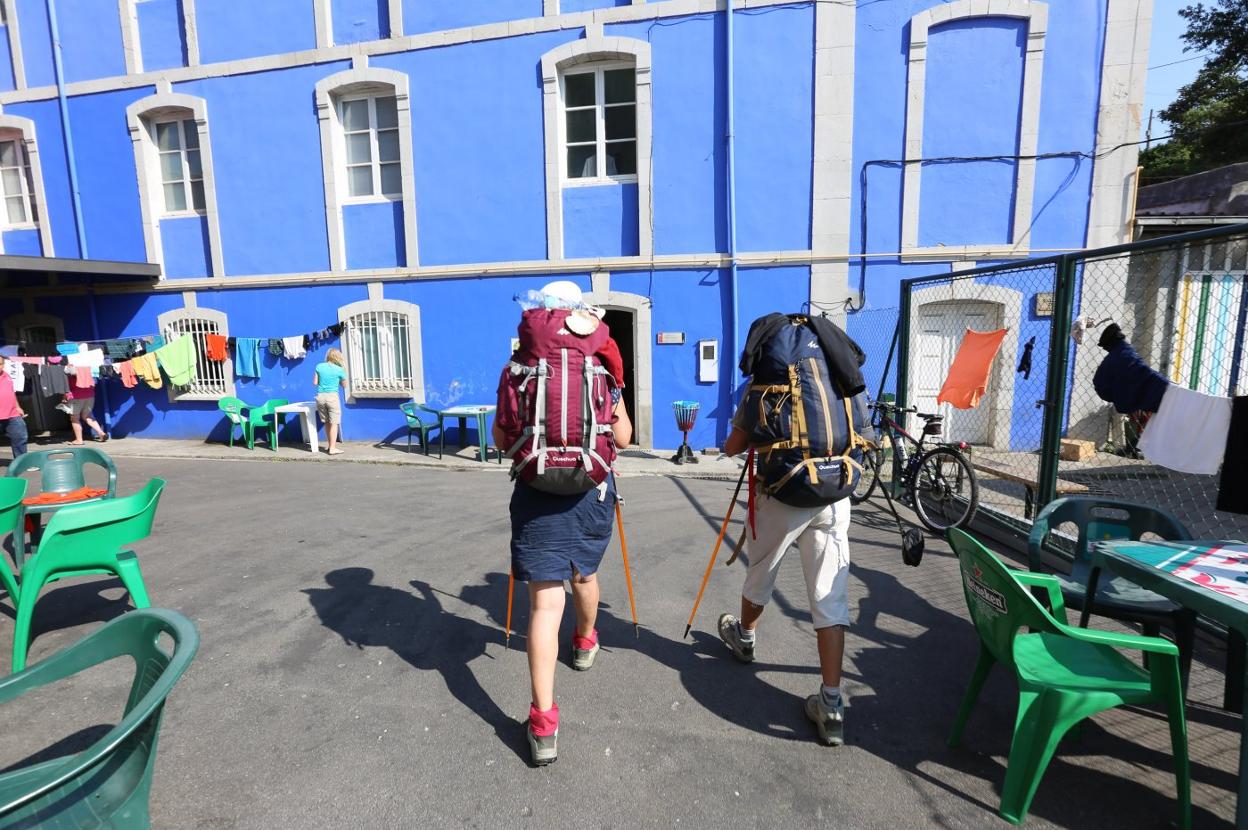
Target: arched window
{"type": "Point", "coordinates": [173, 161]}
{"type": "Point", "coordinates": [21, 182]}
{"type": "Point", "coordinates": [366, 140]}
{"type": "Point", "coordinates": [214, 379]}
{"type": "Point", "coordinates": [381, 340]}
{"type": "Point", "coordinates": [597, 114]}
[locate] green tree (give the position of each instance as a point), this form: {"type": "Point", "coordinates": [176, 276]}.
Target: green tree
{"type": "Point", "coordinates": [1209, 118]}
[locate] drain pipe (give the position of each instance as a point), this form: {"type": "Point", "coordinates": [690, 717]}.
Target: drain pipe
{"type": "Point", "coordinates": [731, 195]}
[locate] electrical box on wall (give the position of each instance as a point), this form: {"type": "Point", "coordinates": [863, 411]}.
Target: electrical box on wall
{"type": "Point", "coordinates": [708, 361]}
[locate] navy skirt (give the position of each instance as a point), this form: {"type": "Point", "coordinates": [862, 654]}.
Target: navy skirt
{"type": "Point", "coordinates": [553, 536]}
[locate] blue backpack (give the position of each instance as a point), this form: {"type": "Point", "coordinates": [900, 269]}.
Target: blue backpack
{"type": "Point", "coordinates": [803, 429]}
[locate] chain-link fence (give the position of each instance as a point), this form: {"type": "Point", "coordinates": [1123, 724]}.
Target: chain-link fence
{"type": "Point", "coordinates": [1040, 430]}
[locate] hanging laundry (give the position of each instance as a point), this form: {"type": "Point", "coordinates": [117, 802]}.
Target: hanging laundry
{"type": "Point", "coordinates": [52, 381]}
{"type": "Point", "coordinates": [1078, 327]}
{"type": "Point", "coordinates": [68, 348]}
{"type": "Point", "coordinates": [336, 329]}
{"type": "Point", "coordinates": [125, 371]}
{"type": "Point", "coordinates": [214, 346]}
{"type": "Point", "coordinates": [1125, 380]}
{"type": "Point", "coordinates": [293, 348]}
{"type": "Point", "coordinates": [146, 368]}
{"type": "Point", "coordinates": [275, 346]}
{"type": "Point", "coordinates": [81, 377]}
{"type": "Point", "coordinates": [155, 343]}
{"type": "Point", "coordinates": [1024, 365]}
{"type": "Point", "coordinates": [90, 358]}
{"type": "Point", "coordinates": [1189, 431]}
{"type": "Point", "coordinates": [118, 349]}
{"type": "Point", "coordinates": [968, 376]}
{"type": "Point", "coordinates": [178, 359]}
{"type": "Point", "coordinates": [247, 357]}
{"type": "Point", "coordinates": [17, 372]}
{"type": "Point", "coordinates": [1233, 487]}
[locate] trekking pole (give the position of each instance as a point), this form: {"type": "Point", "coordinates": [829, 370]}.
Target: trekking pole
{"type": "Point", "coordinates": [511, 591]}
{"type": "Point", "coordinates": [628, 576]}
{"type": "Point", "coordinates": [706, 577]}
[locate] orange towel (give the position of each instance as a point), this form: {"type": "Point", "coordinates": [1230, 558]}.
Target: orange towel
{"type": "Point", "coordinates": [214, 346]}
{"type": "Point", "coordinates": [81, 494]}
{"type": "Point", "coordinates": [968, 376]}
{"type": "Point", "coordinates": [126, 371]}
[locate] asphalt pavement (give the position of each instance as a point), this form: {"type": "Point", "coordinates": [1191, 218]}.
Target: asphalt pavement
{"type": "Point", "coordinates": [352, 674]}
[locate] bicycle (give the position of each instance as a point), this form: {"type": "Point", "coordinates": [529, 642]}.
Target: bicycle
{"type": "Point", "coordinates": [938, 483]}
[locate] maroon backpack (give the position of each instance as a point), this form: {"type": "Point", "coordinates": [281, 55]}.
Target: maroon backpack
{"type": "Point", "coordinates": [554, 406]}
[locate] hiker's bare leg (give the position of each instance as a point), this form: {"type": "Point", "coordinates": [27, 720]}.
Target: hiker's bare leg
{"type": "Point", "coordinates": [545, 614]}
{"type": "Point", "coordinates": [831, 652]}
{"type": "Point", "coordinates": [585, 595]}
{"type": "Point", "coordinates": [750, 614]}
{"type": "Point", "coordinates": [331, 435]}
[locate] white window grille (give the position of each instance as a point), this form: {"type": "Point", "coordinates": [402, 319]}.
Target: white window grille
{"type": "Point", "coordinates": [181, 173]}
{"type": "Point", "coordinates": [17, 184]}
{"type": "Point", "coordinates": [382, 344]}
{"type": "Point", "coordinates": [600, 123]}
{"type": "Point", "coordinates": [370, 132]}
{"type": "Point", "coordinates": [214, 379]}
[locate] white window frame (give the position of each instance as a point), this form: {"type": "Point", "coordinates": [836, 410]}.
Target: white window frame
{"type": "Point", "coordinates": [218, 381]}
{"type": "Point", "coordinates": [374, 144]}
{"type": "Point", "coordinates": [23, 130]}
{"type": "Point", "coordinates": [600, 105]}
{"type": "Point", "coordinates": [186, 122]}
{"type": "Point", "coordinates": [350, 316]}
{"type": "Point", "coordinates": [29, 204]}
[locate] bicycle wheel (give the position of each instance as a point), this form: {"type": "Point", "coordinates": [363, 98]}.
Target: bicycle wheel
{"type": "Point", "coordinates": [868, 478]}
{"type": "Point", "coordinates": [945, 491]}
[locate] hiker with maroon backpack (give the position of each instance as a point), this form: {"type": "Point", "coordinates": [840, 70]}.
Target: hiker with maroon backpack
{"type": "Point", "coordinates": [560, 419]}
{"type": "Point", "coordinates": [803, 415]}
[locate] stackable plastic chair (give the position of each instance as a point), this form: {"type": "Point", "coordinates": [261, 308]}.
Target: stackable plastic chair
{"type": "Point", "coordinates": [236, 413]}
{"type": "Point", "coordinates": [11, 492]}
{"type": "Point", "coordinates": [415, 424]}
{"type": "Point", "coordinates": [83, 540]}
{"type": "Point", "coordinates": [108, 784]}
{"type": "Point", "coordinates": [1064, 673]}
{"type": "Point", "coordinates": [265, 417]}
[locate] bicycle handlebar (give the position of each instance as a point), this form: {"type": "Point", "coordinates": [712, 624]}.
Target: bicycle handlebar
{"type": "Point", "coordinates": [885, 405]}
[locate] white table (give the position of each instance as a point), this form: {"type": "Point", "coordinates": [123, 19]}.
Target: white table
{"type": "Point", "coordinates": [306, 410]}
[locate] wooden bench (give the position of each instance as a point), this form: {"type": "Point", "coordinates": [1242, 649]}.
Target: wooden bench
{"type": "Point", "coordinates": [1064, 488]}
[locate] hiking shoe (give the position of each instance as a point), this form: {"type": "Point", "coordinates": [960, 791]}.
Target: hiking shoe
{"type": "Point", "coordinates": [543, 748]}
{"type": "Point", "coordinates": [830, 721]}
{"type": "Point", "coordinates": [584, 650]}
{"type": "Point", "coordinates": [731, 635]}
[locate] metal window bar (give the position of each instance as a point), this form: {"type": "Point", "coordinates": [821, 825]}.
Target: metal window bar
{"type": "Point", "coordinates": [210, 377]}
{"type": "Point", "coordinates": [379, 356]}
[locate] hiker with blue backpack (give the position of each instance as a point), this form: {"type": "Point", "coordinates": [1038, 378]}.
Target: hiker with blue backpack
{"type": "Point", "coordinates": [804, 418]}
{"type": "Point", "coordinates": [560, 419]}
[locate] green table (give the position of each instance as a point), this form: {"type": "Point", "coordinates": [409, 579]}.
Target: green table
{"type": "Point", "coordinates": [1209, 577]}
{"type": "Point", "coordinates": [463, 413]}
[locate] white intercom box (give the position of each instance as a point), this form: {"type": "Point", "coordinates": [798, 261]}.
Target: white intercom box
{"type": "Point", "coordinates": [708, 361]}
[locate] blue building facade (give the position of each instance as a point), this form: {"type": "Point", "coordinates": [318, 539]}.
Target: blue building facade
{"type": "Point", "coordinates": [406, 167]}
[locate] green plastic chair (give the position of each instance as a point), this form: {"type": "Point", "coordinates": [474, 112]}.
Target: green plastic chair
{"type": "Point", "coordinates": [108, 784]}
{"type": "Point", "coordinates": [1064, 673]}
{"type": "Point", "coordinates": [236, 413]}
{"type": "Point", "coordinates": [12, 490]}
{"type": "Point", "coordinates": [1099, 520]}
{"type": "Point", "coordinates": [83, 540]}
{"type": "Point", "coordinates": [415, 424]}
{"type": "Point", "coordinates": [60, 471]}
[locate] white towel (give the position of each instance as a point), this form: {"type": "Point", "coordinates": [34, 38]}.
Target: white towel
{"type": "Point", "coordinates": [93, 358]}
{"type": "Point", "coordinates": [17, 372]}
{"type": "Point", "coordinates": [292, 348]}
{"type": "Point", "coordinates": [1188, 433]}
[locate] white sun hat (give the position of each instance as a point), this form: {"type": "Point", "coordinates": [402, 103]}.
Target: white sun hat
{"type": "Point", "coordinates": [569, 294]}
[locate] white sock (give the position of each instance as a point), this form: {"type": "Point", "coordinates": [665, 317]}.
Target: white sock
{"type": "Point", "coordinates": [831, 695]}
{"type": "Point", "coordinates": [747, 634]}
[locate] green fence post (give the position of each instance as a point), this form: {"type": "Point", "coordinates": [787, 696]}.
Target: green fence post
{"type": "Point", "coordinates": [1055, 390]}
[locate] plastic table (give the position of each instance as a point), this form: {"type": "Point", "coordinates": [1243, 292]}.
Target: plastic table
{"type": "Point", "coordinates": [1209, 577]}
{"type": "Point", "coordinates": [306, 410]}
{"type": "Point", "coordinates": [463, 413]}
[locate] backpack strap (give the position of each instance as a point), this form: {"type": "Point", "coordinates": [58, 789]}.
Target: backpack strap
{"type": "Point", "coordinates": [799, 432]}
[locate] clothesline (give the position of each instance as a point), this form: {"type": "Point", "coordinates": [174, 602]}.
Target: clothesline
{"type": "Point", "coordinates": [328, 332]}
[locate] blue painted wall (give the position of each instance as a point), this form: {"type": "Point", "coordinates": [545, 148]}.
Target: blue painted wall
{"type": "Point", "coordinates": [185, 242]}
{"type": "Point", "coordinates": [568, 6]}
{"type": "Point", "coordinates": [161, 34]}
{"type": "Point", "coordinates": [359, 20]}
{"type": "Point", "coordinates": [22, 243]}
{"type": "Point", "coordinates": [32, 20]}
{"type": "Point", "coordinates": [600, 221]}
{"type": "Point", "coordinates": [230, 29]}
{"type": "Point", "coordinates": [90, 39]}
{"type": "Point", "coordinates": [425, 16]}
{"type": "Point", "coordinates": [374, 235]}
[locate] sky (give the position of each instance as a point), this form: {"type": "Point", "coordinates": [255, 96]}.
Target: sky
{"type": "Point", "coordinates": [1168, 66]}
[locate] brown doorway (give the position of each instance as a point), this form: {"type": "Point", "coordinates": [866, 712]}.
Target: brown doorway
{"type": "Point", "coordinates": [622, 324]}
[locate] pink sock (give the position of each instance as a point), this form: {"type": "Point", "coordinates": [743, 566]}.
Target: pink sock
{"type": "Point", "coordinates": [585, 643]}
{"type": "Point", "coordinates": [545, 723]}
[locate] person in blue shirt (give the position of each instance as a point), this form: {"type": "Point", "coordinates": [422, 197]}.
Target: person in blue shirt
{"type": "Point", "coordinates": [328, 377]}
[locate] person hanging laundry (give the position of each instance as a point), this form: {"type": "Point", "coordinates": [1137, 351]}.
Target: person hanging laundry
{"type": "Point", "coordinates": [293, 348]}
{"type": "Point", "coordinates": [81, 400]}
{"type": "Point", "coordinates": [1189, 432]}
{"type": "Point", "coordinates": [1233, 486]}
{"type": "Point", "coordinates": [214, 347]}
{"type": "Point", "coordinates": [11, 414]}
{"type": "Point", "coordinates": [125, 371]}
{"type": "Point", "coordinates": [179, 360]}
{"type": "Point", "coordinates": [1124, 379]}
{"type": "Point", "coordinates": [967, 380]}
{"type": "Point", "coordinates": [247, 357]}
{"type": "Point", "coordinates": [1024, 365]}
{"type": "Point", "coordinates": [148, 370]}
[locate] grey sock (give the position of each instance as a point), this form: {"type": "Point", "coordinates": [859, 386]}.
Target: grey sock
{"type": "Point", "coordinates": [747, 634]}
{"type": "Point", "coordinates": [831, 695]}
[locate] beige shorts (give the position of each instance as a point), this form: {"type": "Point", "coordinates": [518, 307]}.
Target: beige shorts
{"type": "Point", "coordinates": [328, 407]}
{"type": "Point", "coordinates": [822, 538]}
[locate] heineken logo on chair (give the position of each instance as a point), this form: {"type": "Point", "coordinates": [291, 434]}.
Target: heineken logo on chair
{"type": "Point", "coordinates": [989, 596]}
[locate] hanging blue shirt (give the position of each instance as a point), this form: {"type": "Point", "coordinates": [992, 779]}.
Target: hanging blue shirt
{"type": "Point", "coordinates": [247, 357]}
